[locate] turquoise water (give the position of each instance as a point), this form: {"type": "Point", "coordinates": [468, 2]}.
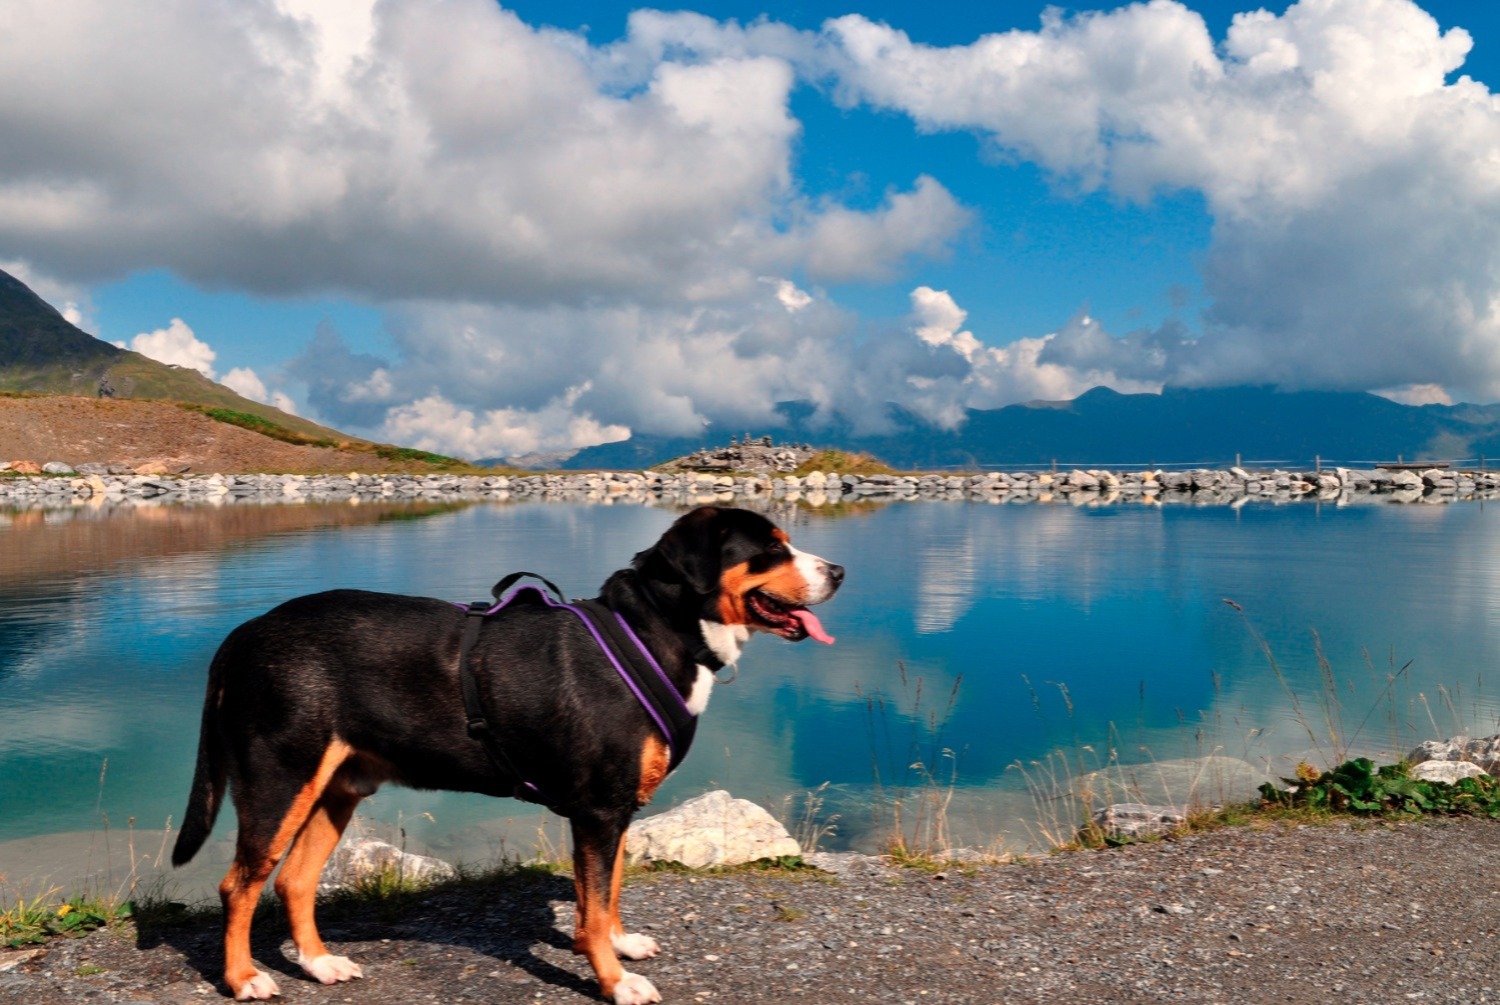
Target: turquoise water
{"type": "Point", "coordinates": [1000, 634]}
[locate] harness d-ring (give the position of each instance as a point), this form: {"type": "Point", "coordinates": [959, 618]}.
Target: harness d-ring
{"type": "Point", "coordinates": [734, 671]}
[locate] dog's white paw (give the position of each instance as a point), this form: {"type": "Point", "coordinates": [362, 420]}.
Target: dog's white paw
{"type": "Point", "coordinates": [330, 969]}
{"type": "Point", "coordinates": [634, 989]}
{"type": "Point", "coordinates": [634, 946]}
{"type": "Point", "coordinates": [257, 988]}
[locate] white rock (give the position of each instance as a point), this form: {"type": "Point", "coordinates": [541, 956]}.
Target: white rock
{"type": "Point", "coordinates": [713, 829]}
{"type": "Point", "coordinates": [1446, 771]}
{"type": "Point", "coordinates": [1485, 751]}
{"type": "Point", "coordinates": [357, 859]}
{"type": "Point", "coordinates": [1138, 820]}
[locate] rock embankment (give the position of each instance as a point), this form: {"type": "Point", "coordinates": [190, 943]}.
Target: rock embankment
{"type": "Point", "coordinates": [57, 484]}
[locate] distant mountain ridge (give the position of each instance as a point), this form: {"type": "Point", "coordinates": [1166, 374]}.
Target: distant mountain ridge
{"type": "Point", "coordinates": [42, 352]}
{"type": "Point", "coordinates": [1103, 428]}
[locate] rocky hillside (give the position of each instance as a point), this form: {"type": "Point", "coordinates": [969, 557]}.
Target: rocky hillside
{"type": "Point", "coordinates": [42, 352]}
{"type": "Point", "coordinates": [166, 437]}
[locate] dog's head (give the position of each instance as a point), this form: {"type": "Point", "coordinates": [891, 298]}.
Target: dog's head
{"type": "Point", "coordinates": [744, 572]}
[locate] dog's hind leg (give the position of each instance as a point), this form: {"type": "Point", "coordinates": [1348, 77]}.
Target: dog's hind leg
{"type": "Point", "coordinates": [598, 860]}
{"type": "Point", "coordinates": [297, 884]}
{"type": "Point", "coordinates": [263, 839]}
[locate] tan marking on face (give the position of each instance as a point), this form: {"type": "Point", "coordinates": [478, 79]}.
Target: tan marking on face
{"type": "Point", "coordinates": [782, 581]}
{"type": "Point", "coordinates": [654, 760]}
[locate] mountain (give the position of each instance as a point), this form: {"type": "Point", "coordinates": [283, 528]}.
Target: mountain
{"type": "Point", "coordinates": [1103, 428]}
{"type": "Point", "coordinates": [42, 352]}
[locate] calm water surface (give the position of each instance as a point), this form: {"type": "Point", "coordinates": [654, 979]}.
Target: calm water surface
{"type": "Point", "coordinates": [971, 637]}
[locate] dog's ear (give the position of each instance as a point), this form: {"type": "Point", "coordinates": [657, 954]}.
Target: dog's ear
{"type": "Point", "coordinates": [694, 546]}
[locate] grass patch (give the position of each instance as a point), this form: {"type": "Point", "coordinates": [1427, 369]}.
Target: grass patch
{"type": "Point", "coordinates": [843, 462]}
{"type": "Point", "coordinates": [41, 918]}
{"type": "Point", "coordinates": [408, 455]}
{"type": "Point", "coordinates": [257, 424]}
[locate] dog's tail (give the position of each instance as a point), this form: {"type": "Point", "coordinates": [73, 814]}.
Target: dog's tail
{"type": "Point", "coordinates": [207, 793]}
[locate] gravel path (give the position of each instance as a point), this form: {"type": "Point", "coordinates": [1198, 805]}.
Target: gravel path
{"type": "Point", "coordinates": [1307, 914]}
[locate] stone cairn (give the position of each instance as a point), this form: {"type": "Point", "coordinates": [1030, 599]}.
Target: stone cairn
{"type": "Point", "coordinates": [760, 455]}
{"type": "Point", "coordinates": [59, 485]}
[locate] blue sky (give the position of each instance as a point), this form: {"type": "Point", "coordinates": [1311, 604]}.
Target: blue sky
{"type": "Point", "coordinates": [491, 230]}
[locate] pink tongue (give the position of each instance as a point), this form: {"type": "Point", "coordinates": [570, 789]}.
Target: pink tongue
{"type": "Point", "coordinates": [811, 625]}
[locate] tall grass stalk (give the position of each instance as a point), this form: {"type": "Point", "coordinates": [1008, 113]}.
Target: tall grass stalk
{"type": "Point", "coordinates": [915, 772]}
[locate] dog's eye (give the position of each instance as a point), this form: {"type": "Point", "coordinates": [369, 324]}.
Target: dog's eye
{"type": "Point", "coordinates": [777, 548]}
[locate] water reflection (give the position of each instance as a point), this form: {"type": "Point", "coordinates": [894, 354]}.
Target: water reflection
{"type": "Point", "coordinates": [971, 638]}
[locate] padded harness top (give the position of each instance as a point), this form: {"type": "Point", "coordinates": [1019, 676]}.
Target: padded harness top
{"type": "Point", "coordinates": [616, 639]}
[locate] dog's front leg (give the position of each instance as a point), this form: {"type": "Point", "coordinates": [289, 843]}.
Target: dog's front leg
{"type": "Point", "coordinates": [598, 863]}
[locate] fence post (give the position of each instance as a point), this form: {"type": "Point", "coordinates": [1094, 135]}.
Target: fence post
{"type": "Point", "coordinates": [1318, 463]}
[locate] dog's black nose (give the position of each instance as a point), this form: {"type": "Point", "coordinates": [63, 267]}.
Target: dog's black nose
{"type": "Point", "coordinates": [836, 573]}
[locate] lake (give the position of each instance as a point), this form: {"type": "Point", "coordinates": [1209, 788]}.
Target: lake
{"type": "Point", "coordinates": [985, 654]}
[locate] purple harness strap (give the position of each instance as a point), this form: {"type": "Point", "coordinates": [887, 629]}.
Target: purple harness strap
{"type": "Point", "coordinates": [626, 653]}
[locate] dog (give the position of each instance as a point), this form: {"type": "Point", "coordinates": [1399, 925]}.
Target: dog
{"type": "Point", "coordinates": [313, 705]}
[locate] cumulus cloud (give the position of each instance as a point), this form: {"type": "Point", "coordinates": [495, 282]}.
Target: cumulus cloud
{"type": "Point", "coordinates": [176, 345]}
{"type": "Point", "coordinates": [245, 381]}
{"type": "Point", "coordinates": [408, 150]}
{"type": "Point", "coordinates": [615, 235]}
{"type": "Point", "coordinates": [993, 376]}
{"type": "Point", "coordinates": [435, 423]}
{"type": "Point", "coordinates": [1351, 182]}
{"type": "Point", "coordinates": [497, 371]}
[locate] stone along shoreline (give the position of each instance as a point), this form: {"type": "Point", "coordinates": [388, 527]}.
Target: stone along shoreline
{"type": "Point", "coordinates": [99, 484]}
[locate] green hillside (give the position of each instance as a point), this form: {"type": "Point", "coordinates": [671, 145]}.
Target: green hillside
{"type": "Point", "coordinates": [43, 353]}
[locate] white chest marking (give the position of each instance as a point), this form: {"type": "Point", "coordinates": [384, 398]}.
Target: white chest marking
{"type": "Point", "coordinates": [703, 686]}
{"type": "Point", "coordinates": [726, 641]}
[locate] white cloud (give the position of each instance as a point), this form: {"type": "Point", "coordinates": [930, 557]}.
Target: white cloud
{"type": "Point", "coordinates": [245, 381]}
{"type": "Point", "coordinates": [435, 423]}
{"type": "Point", "coordinates": [542, 215]}
{"type": "Point", "coordinates": [991, 377]}
{"type": "Point", "coordinates": [411, 150]}
{"type": "Point", "coordinates": [176, 345]}
{"type": "Point", "coordinates": [788, 295]}
{"type": "Point", "coordinates": [1354, 189]}
{"type": "Point", "coordinates": [1416, 394]}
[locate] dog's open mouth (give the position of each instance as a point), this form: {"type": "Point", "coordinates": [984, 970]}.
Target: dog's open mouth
{"type": "Point", "coordinates": [787, 620]}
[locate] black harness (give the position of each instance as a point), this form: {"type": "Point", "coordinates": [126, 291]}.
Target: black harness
{"type": "Point", "coordinates": [620, 645]}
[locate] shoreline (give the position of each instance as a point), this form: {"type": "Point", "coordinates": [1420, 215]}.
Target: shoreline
{"type": "Point", "coordinates": [1371, 913]}
{"type": "Point", "coordinates": [100, 485]}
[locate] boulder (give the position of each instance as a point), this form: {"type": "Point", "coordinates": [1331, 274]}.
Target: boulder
{"type": "Point", "coordinates": [26, 467]}
{"type": "Point", "coordinates": [1133, 821]}
{"type": "Point", "coordinates": [713, 829]}
{"type": "Point", "coordinates": [58, 468]}
{"type": "Point", "coordinates": [1484, 751]}
{"type": "Point", "coordinates": [1446, 771]}
{"type": "Point", "coordinates": [362, 858]}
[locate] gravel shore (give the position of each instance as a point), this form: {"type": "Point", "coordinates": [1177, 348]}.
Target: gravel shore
{"type": "Point", "coordinates": [1344, 912]}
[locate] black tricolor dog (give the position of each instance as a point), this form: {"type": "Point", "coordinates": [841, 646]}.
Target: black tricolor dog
{"type": "Point", "coordinates": [312, 706]}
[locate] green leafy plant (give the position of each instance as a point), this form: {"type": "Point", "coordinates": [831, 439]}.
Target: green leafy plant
{"type": "Point", "coordinates": [1359, 787]}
